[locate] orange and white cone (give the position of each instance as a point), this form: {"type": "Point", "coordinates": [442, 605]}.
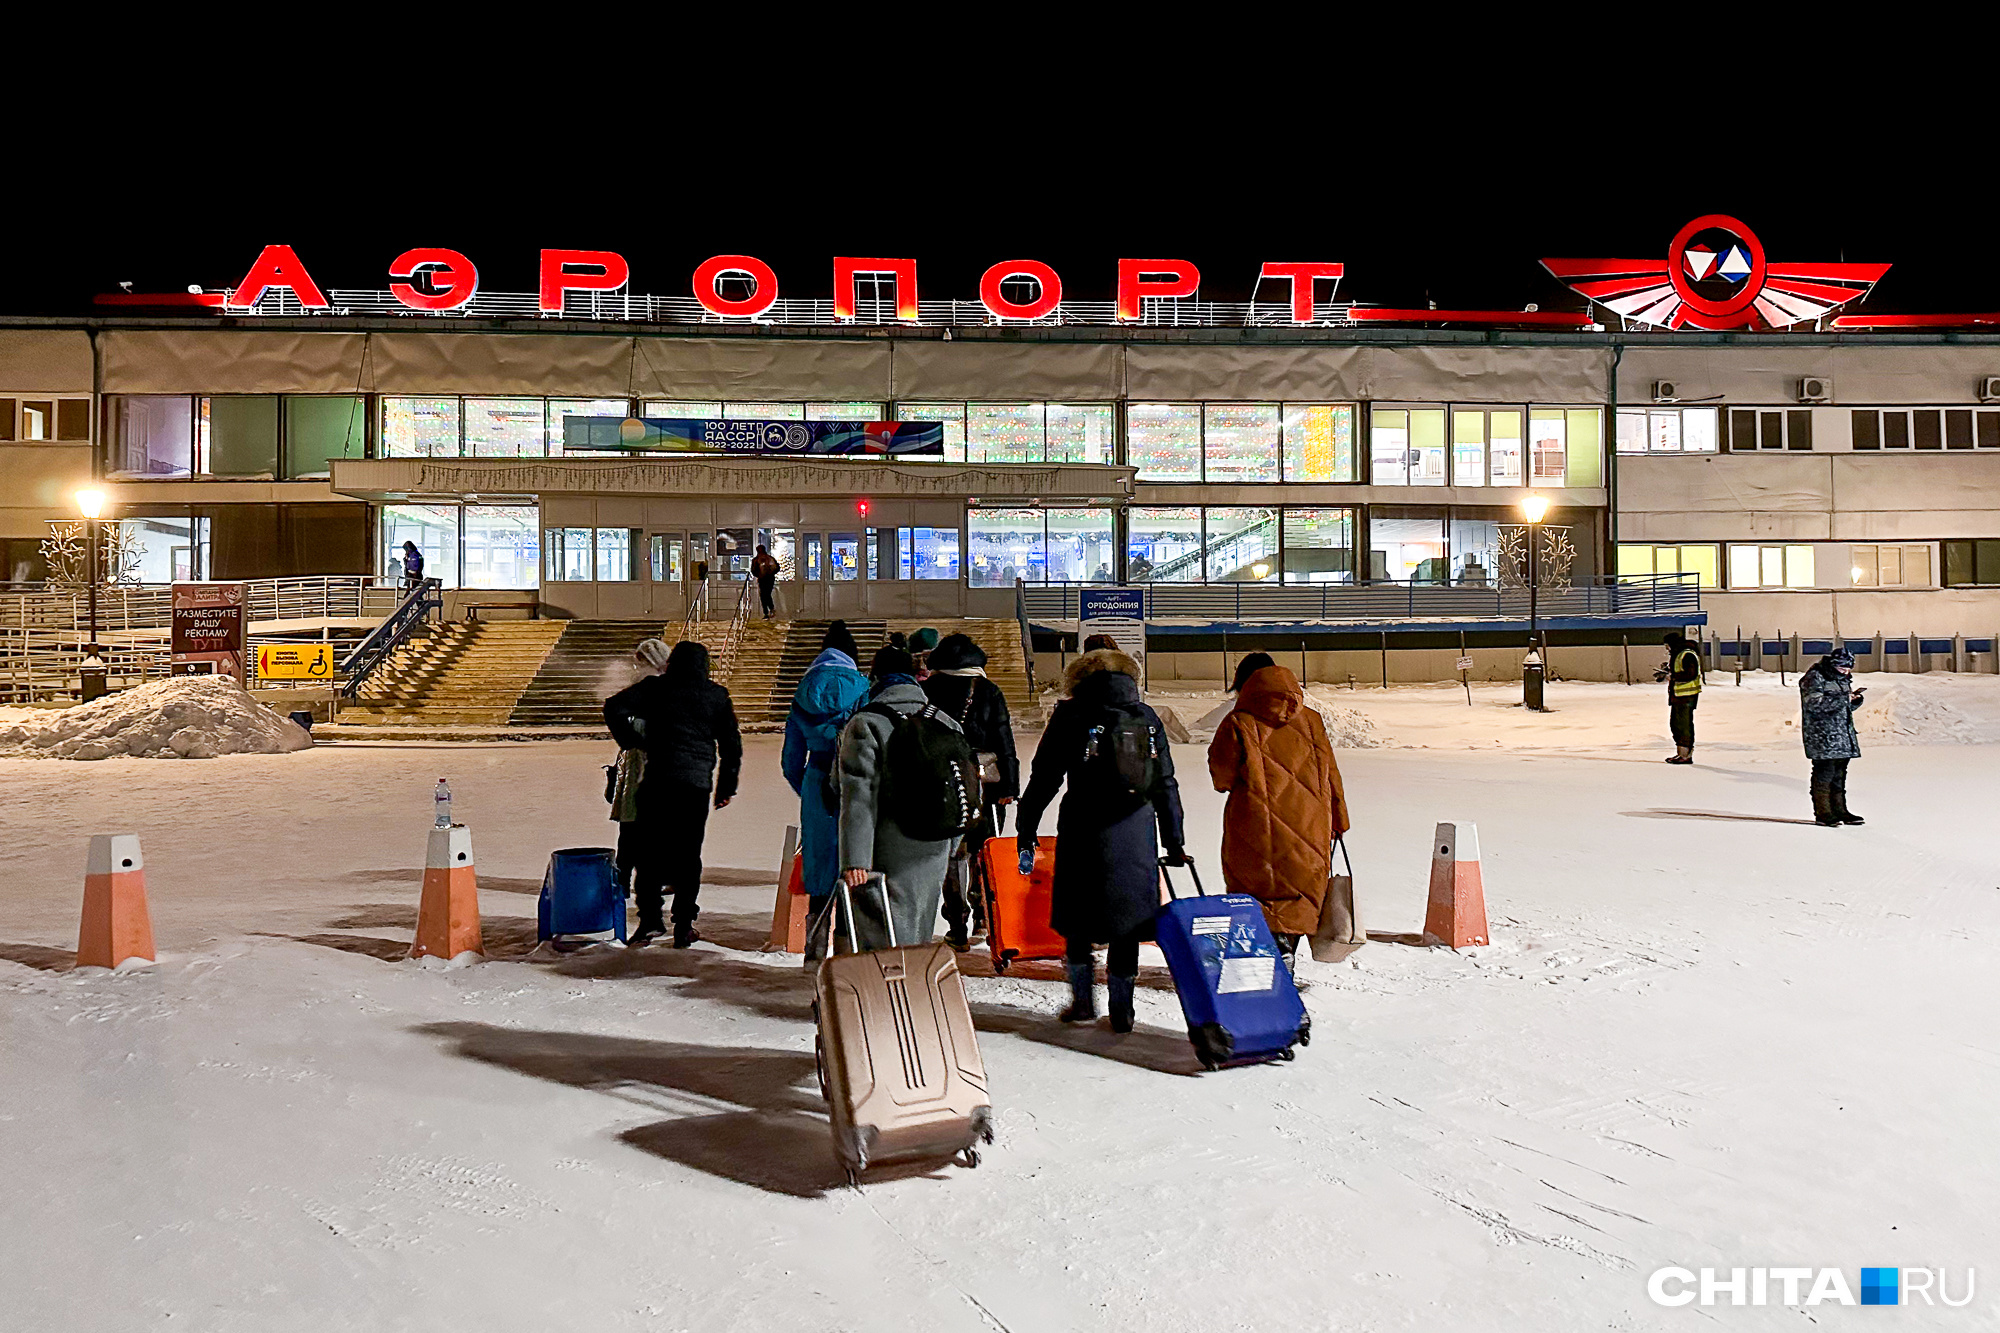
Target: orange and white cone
{"type": "Point", "coordinates": [1456, 914]}
{"type": "Point", "coordinates": [788, 914]}
{"type": "Point", "coordinates": [116, 925]}
{"type": "Point", "coordinates": [448, 918]}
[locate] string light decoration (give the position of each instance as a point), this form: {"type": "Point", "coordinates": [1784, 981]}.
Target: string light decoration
{"type": "Point", "coordinates": [66, 550]}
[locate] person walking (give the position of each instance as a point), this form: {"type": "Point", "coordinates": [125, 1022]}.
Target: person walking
{"type": "Point", "coordinates": [1108, 835]}
{"type": "Point", "coordinates": [765, 568]}
{"type": "Point", "coordinates": [627, 772]}
{"type": "Point", "coordinates": [870, 838]}
{"type": "Point", "coordinates": [1683, 676]}
{"type": "Point", "coordinates": [832, 688]}
{"type": "Point", "coordinates": [1286, 805]}
{"type": "Point", "coordinates": [959, 686]}
{"type": "Point", "coordinates": [1827, 700]}
{"type": "Point", "coordinates": [413, 566]}
{"type": "Point", "coordinates": [684, 722]}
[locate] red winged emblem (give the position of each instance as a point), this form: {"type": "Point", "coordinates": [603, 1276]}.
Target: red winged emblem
{"type": "Point", "coordinates": [1716, 277]}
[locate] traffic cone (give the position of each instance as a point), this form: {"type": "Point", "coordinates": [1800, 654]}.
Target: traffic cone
{"type": "Point", "coordinates": [788, 914]}
{"type": "Point", "coordinates": [448, 918]}
{"type": "Point", "coordinates": [1457, 911]}
{"type": "Point", "coordinates": [116, 925]}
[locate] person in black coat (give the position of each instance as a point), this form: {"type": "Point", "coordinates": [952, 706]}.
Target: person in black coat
{"type": "Point", "coordinates": [1108, 838]}
{"type": "Point", "coordinates": [958, 685]}
{"type": "Point", "coordinates": [683, 721]}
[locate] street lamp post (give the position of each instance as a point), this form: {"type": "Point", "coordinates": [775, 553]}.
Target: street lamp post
{"type": "Point", "coordinates": [1534, 672]}
{"type": "Point", "coordinates": [91, 676]}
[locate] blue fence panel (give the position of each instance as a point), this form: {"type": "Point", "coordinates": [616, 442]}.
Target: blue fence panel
{"type": "Point", "coordinates": [1979, 645]}
{"type": "Point", "coordinates": [1934, 645]}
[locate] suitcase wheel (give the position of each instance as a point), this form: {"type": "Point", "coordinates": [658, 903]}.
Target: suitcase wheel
{"type": "Point", "coordinates": [970, 1157]}
{"type": "Point", "coordinates": [1288, 1054]}
{"type": "Point", "coordinates": [1001, 963]}
{"type": "Point", "coordinates": [854, 1179]}
{"type": "Point", "coordinates": [1306, 1033]}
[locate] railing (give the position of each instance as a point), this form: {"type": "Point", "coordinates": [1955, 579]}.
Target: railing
{"type": "Point", "coordinates": [1662, 594]}
{"type": "Point", "coordinates": [415, 608]}
{"type": "Point", "coordinates": [722, 661]}
{"type": "Point", "coordinates": [149, 606]}
{"type": "Point", "coordinates": [1027, 634]}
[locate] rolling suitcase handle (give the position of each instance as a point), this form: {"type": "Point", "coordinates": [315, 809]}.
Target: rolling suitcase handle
{"type": "Point", "coordinates": [847, 904]}
{"type": "Point", "coordinates": [1193, 874]}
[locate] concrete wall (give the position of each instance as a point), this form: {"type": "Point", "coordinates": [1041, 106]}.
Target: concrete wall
{"type": "Point", "coordinates": [41, 483]}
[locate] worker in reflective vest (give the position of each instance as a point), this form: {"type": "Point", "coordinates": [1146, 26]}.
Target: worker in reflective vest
{"type": "Point", "coordinates": [1683, 676]}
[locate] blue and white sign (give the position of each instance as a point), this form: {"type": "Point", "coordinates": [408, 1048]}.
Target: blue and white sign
{"type": "Point", "coordinates": [1119, 612]}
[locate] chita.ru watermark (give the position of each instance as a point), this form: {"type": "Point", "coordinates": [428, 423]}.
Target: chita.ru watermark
{"type": "Point", "coordinates": [1809, 1286]}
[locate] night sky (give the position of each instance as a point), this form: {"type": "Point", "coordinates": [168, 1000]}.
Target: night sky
{"type": "Point", "coordinates": [1419, 208]}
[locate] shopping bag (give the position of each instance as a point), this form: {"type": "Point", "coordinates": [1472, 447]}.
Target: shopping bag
{"type": "Point", "coordinates": [1340, 932]}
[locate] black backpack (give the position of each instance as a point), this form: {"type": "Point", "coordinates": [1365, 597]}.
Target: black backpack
{"type": "Point", "coordinates": [1124, 750]}
{"type": "Point", "coordinates": [930, 777]}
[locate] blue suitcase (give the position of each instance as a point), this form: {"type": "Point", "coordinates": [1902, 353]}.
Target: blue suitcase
{"type": "Point", "coordinates": [580, 894]}
{"type": "Point", "coordinates": [1236, 990]}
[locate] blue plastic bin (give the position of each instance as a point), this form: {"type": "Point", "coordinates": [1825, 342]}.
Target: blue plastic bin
{"type": "Point", "coordinates": [580, 894]}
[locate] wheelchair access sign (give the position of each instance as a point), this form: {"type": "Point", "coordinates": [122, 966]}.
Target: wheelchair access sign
{"type": "Point", "coordinates": [295, 661]}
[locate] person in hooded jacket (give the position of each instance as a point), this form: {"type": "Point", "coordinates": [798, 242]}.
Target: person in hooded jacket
{"type": "Point", "coordinates": [683, 721]}
{"type": "Point", "coordinates": [959, 686]}
{"type": "Point", "coordinates": [870, 838]}
{"type": "Point", "coordinates": [1285, 807]}
{"type": "Point", "coordinates": [1827, 700]}
{"type": "Point", "coordinates": [832, 688]}
{"type": "Point", "coordinates": [1108, 837]}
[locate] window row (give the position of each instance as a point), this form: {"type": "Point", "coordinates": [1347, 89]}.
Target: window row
{"type": "Point", "coordinates": [251, 436]}
{"type": "Point", "coordinates": [1021, 432]}
{"type": "Point", "coordinates": [246, 541]}
{"type": "Point", "coordinates": [1485, 446]}
{"type": "Point", "coordinates": [1666, 430]}
{"type": "Point", "coordinates": [1241, 442]}
{"type": "Point", "coordinates": [39, 417]}
{"type": "Point", "coordinates": [466, 546]}
{"type": "Point", "coordinates": [1762, 565]}
{"type": "Point", "coordinates": [1926, 428]}
{"type": "Point", "coordinates": [484, 427]}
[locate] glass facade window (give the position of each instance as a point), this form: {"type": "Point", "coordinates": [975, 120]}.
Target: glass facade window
{"type": "Point", "coordinates": [950, 415]}
{"type": "Point", "coordinates": [421, 427]}
{"type": "Point", "coordinates": [242, 435]}
{"type": "Point", "coordinates": [812, 556]}
{"type": "Point", "coordinates": [664, 553]}
{"type": "Point", "coordinates": [149, 435]}
{"type": "Point", "coordinates": [1771, 567]}
{"type": "Point", "coordinates": [1242, 544]}
{"type": "Point", "coordinates": [319, 430]}
{"type": "Point", "coordinates": [502, 546]}
{"type": "Point", "coordinates": [504, 427]}
{"type": "Point", "coordinates": [1003, 545]}
{"type": "Point", "coordinates": [167, 548]}
{"type": "Point", "coordinates": [1971, 563]}
{"type": "Point", "coordinates": [1389, 446]}
{"type": "Point", "coordinates": [1645, 560]}
{"type": "Point", "coordinates": [764, 411]}
{"type": "Point", "coordinates": [1240, 441]}
{"type": "Point", "coordinates": [566, 555]}
{"type": "Point", "coordinates": [1503, 446]}
{"type": "Point", "coordinates": [1318, 546]}
{"type": "Point", "coordinates": [1407, 447]}
{"type": "Point", "coordinates": [782, 543]}
{"type": "Point", "coordinates": [844, 412]}
{"type": "Point", "coordinates": [1876, 566]}
{"type": "Point", "coordinates": [1468, 446]}
{"type": "Point", "coordinates": [434, 528]}
{"type": "Point", "coordinates": [1003, 432]}
{"type": "Point", "coordinates": [1081, 433]}
{"type": "Point", "coordinates": [843, 556]}
{"type": "Point", "coordinates": [558, 408]}
{"type": "Point", "coordinates": [1548, 433]}
{"type": "Point", "coordinates": [615, 549]}
{"type": "Point", "coordinates": [683, 409]}
{"type": "Point", "coordinates": [1408, 544]}
{"type": "Point", "coordinates": [888, 554]}
{"type": "Point", "coordinates": [1083, 546]}
{"type": "Point", "coordinates": [1163, 440]}
{"type": "Point", "coordinates": [1667, 430]}
{"type": "Point", "coordinates": [1163, 544]}
{"type": "Point", "coordinates": [1319, 442]}
{"type": "Point", "coordinates": [734, 550]}
{"type": "Point", "coordinates": [934, 552]}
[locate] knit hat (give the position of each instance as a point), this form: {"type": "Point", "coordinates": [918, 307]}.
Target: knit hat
{"type": "Point", "coordinates": [1840, 657]}
{"type": "Point", "coordinates": [651, 654]}
{"type": "Point", "coordinates": [923, 640]}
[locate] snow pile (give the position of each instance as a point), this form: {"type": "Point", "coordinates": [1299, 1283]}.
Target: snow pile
{"type": "Point", "coordinates": [1347, 728]}
{"type": "Point", "coordinates": [186, 717]}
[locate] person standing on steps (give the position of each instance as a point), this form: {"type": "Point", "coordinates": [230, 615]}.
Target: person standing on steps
{"type": "Point", "coordinates": [683, 721]}
{"type": "Point", "coordinates": [1683, 676]}
{"type": "Point", "coordinates": [1827, 700]}
{"type": "Point", "coordinates": [1122, 806]}
{"type": "Point", "coordinates": [959, 686]}
{"type": "Point", "coordinates": [832, 688]}
{"type": "Point", "coordinates": [765, 569]}
{"type": "Point", "coordinates": [1286, 807]}
{"type": "Point", "coordinates": [413, 566]}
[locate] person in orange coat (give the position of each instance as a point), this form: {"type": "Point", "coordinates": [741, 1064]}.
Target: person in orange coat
{"type": "Point", "coordinates": [1286, 806]}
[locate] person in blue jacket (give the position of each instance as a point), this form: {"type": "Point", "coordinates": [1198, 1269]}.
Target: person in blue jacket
{"type": "Point", "coordinates": [832, 689]}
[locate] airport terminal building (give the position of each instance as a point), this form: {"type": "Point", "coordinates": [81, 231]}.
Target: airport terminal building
{"type": "Point", "coordinates": [1827, 477]}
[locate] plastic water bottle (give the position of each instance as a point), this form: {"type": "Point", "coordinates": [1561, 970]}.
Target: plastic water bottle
{"type": "Point", "coordinates": [443, 797]}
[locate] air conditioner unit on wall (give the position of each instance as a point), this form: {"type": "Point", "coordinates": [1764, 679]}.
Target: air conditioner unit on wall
{"type": "Point", "coordinates": [1666, 391]}
{"type": "Point", "coordinates": [1815, 390]}
{"type": "Point", "coordinates": [1989, 389]}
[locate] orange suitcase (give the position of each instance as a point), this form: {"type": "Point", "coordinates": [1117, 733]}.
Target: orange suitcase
{"type": "Point", "coordinates": [1017, 908]}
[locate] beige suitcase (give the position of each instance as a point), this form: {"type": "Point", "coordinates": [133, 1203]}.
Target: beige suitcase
{"type": "Point", "coordinates": [898, 1061]}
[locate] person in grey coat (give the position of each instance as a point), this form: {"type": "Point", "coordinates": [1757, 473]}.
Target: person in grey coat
{"type": "Point", "coordinates": [869, 838]}
{"type": "Point", "coordinates": [1827, 700]}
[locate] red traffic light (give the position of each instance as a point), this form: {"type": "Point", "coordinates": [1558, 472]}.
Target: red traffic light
{"type": "Point", "coordinates": [861, 508]}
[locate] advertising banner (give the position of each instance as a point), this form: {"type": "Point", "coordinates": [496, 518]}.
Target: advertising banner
{"type": "Point", "coordinates": [208, 624]}
{"type": "Point", "coordinates": [1119, 612]}
{"type": "Point", "coordinates": [680, 435]}
{"type": "Point", "coordinates": [295, 661]}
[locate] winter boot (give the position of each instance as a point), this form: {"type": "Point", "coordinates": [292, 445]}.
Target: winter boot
{"type": "Point", "coordinates": [685, 934]}
{"type": "Point", "coordinates": [1083, 995]}
{"type": "Point", "coordinates": [1840, 810]}
{"type": "Point", "coordinates": [1822, 798]}
{"type": "Point", "coordinates": [1683, 754]}
{"type": "Point", "coordinates": [647, 932]}
{"type": "Point", "coordinates": [1121, 1002]}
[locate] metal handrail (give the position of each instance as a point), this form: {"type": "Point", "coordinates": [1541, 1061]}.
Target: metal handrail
{"type": "Point", "coordinates": [1378, 599]}
{"type": "Point", "coordinates": [722, 662]}
{"type": "Point", "coordinates": [391, 634]}
{"type": "Point", "coordinates": [1027, 634]}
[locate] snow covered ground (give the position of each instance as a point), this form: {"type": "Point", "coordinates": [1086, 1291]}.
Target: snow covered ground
{"type": "Point", "coordinates": [1708, 1033]}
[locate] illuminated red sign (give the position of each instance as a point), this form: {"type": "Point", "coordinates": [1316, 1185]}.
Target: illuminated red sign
{"type": "Point", "coordinates": [1716, 276]}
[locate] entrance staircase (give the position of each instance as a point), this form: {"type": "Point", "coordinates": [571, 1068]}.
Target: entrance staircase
{"type": "Point", "coordinates": [590, 662]}
{"type": "Point", "coordinates": [770, 666]}
{"type": "Point", "coordinates": [466, 673]}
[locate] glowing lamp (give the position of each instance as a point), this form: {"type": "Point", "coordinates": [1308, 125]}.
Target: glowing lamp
{"type": "Point", "coordinates": [1534, 508]}
{"type": "Point", "coordinates": [1261, 570]}
{"type": "Point", "coordinates": [90, 502]}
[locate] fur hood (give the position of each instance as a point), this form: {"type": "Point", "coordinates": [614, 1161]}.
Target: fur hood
{"type": "Point", "coordinates": [1096, 663]}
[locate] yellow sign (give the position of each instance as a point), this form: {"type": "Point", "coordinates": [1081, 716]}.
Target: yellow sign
{"type": "Point", "coordinates": [295, 661]}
